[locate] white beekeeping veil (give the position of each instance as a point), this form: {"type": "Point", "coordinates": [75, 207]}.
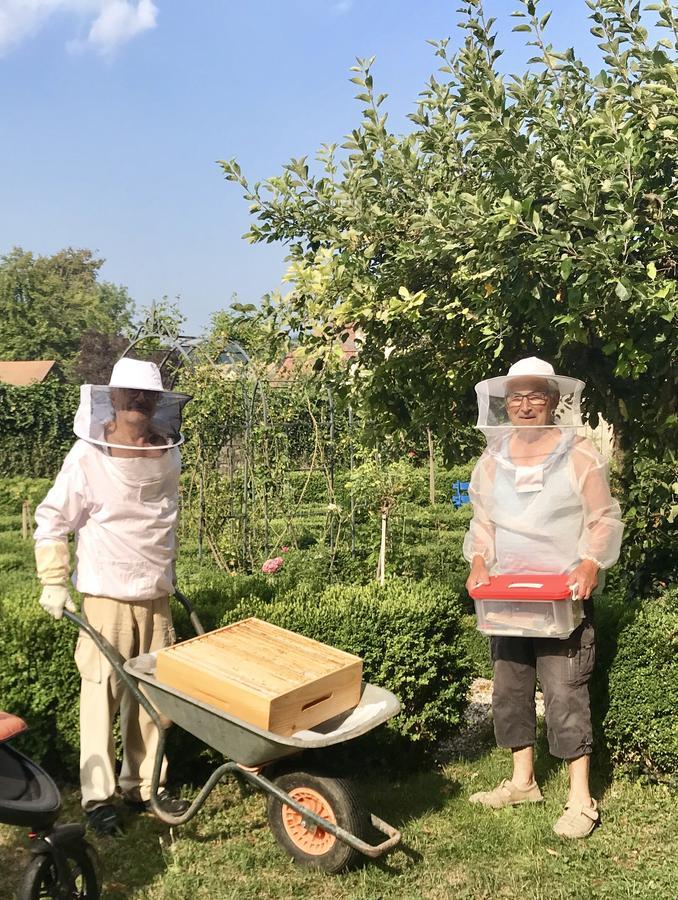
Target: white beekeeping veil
{"type": "Point", "coordinates": [529, 417]}
{"type": "Point", "coordinates": [135, 388]}
{"type": "Point", "coordinates": [528, 376]}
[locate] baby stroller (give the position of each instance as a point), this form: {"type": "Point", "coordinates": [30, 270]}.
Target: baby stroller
{"type": "Point", "coordinates": [63, 864]}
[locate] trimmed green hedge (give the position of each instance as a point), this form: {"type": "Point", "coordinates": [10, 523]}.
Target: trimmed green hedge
{"type": "Point", "coordinates": [642, 721]}
{"type": "Point", "coordinates": [36, 427]}
{"type": "Point", "coordinates": [408, 635]}
{"type": "Point", "coordinates": [39, 680]}
{"type": "Point", "coordinates": [16, 489]}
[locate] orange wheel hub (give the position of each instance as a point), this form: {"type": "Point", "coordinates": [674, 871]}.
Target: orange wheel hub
{"type": "Point", "coordinates": [314, 840]}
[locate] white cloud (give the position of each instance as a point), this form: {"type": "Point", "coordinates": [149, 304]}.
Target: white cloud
{"type": "Point", "coordinates": [119, 21]}
{"type": "Point", "coordinates": [341, 7]}
{"type": "Point", "coordinates": [113, 22]}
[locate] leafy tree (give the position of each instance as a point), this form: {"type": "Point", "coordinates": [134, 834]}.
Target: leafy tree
{"type": "Point", "coordinates": [523, 213]}
{"type": "Point", "coordinates": [380, 487]}
{"type": "Point", "coordinates": [533, 213]}
{"type": "Point", "coordinates": [47, 303]}
{"type": "Point", "coordinates": [97, 355]}
{"type": "Point", "coordinates": [254, 328]}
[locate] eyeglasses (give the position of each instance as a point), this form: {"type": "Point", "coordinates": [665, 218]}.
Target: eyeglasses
{"type": "Point", "coordinates": [534, 398]}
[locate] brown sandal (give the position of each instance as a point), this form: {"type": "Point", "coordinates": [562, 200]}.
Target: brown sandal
{"type": "Point", "coordinates": [507, 794]}
{"type": "Point", "coordinates": [577, 821]}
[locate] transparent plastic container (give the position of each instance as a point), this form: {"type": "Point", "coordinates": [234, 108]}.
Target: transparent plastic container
{"type": "Point", "coordinates": [527, 606]}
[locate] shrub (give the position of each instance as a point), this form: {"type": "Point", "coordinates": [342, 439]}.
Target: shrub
{"type": "Point", "coordinates": [641, 723]}
{"type": "Point", "coordinates": [211, 592]}
{"type": "Point", "coordinates": [477, 646]}
{"type": "Point", "coordinates": [440, 559]}
{"type": "Point", "coordinates": [9, 562]}
{"type": "Point", "coordinates": [36, 427]}
{"type": "Point", "coordinates": [13, 491]}
{"type": "Point", "coordinates": [408, 635]}
{"type": "Point", "coordinates": [649, 489]}
{"type": "Point", "coordinates": [40, 681]}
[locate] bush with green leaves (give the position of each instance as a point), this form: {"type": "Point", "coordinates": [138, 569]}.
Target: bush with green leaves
{"type": "Point", "coordinates": [641, 725]}
{"type": "Point", "coordinates": [15, 489]}
{"type": "Point", "coordinates": [650, 513]}
{"type": "Point", "coordinates": [39, 680]}
{"type": "Point", "coordinates": [408, 635]}
{"type": "Point", "coordinates": [36, 428]}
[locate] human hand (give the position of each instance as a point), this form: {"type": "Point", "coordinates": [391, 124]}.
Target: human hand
{"type": "Point", "coordinates": [585, 576]}
{"type": "Point", "coordinates": [55, 598]}
{"type": "Point", "coordinates": [478, 574]}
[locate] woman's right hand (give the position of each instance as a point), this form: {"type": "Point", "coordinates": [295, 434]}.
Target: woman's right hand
{"type": "Point", "coordinates": [478, 574]}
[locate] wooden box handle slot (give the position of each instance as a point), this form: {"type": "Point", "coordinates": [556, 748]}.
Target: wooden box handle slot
{"type": "Point", "coordinates": [315, 702]}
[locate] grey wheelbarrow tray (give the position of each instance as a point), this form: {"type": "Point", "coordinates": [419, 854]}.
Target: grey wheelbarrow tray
{"type": "Point", "coordinates": [247, 747]}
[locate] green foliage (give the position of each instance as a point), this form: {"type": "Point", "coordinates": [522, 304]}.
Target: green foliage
{"type": "Point", "coordinates": [524, 211]}
{"type": "Point", "coordinates": [477, 646]}
{"type": "Point", "coordinates": [531, 213]}
{"type": "Point", "coordinates": [248, 326]}
{"type": "Point", "coordinates": [211, 592]}
{"type": "Point", "coordinates": [48, 302]}
{"type": "Point", "coordinates": [641, 724]}
{"type": "Point", "coordinates": [36, 428]}
{"type": "Point", "coordinates": [40, 681]}
{"type": "Point", "coordinates": [650, 511]}
{"type": "Point", "coordinates": [379, 487]}
{"type": "Point", "coordinates": [408, 635]}
{"type": "Point", "coordinates": [16, 489]}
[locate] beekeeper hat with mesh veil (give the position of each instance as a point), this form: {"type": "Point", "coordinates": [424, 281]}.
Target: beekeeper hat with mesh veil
{"type": "Point", "coordinates": [135, 386]}
{"type": "Point", "coordinates": [533, 379]}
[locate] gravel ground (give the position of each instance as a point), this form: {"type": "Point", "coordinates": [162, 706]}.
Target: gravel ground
{"type": "Point", "coordinates": [476, 732]}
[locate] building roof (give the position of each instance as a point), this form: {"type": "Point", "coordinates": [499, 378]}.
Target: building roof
{"type": "Point", "coordinates": [290, 365]}
{"type": "Point", "coordinates": [24, 372]}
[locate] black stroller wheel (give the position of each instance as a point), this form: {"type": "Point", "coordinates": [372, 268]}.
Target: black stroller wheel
{"type": "Point", "coordinates": [41, 879]}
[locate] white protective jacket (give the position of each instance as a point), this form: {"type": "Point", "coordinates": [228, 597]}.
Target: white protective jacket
{"type": "Point", "coordinates": [545, 518]}
{"type": "Point", "coordinates": [124, 515]}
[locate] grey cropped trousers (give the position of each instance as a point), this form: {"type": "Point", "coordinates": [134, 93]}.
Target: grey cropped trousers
{"type": "Point", "coordinates": [564, 669]}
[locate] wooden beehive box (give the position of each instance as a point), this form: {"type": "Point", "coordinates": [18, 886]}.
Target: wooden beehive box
{"type": "Point", "coordinates": [268, 676]}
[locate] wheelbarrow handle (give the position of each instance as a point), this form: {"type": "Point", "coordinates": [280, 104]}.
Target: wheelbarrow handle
{"type": "Point", "coordinates": [192, 615]}
{"type": "Point", "coordinates": [116, 660]}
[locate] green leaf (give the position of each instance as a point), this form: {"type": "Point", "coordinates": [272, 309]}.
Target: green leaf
{"type": "Point", "coordinates": [621, 291]}
{"type": "Point", "coordinates": [565, 267]}
{"type": "Point", "coordinates": [522, 27]}
{"type": "Point", "coordinates": [651, 270]}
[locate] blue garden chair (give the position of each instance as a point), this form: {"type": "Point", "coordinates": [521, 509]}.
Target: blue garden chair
{"type": "Point", "coordinates": [460, 493]}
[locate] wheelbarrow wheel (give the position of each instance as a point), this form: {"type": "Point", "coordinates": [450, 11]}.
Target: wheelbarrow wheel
{"type": "Point", "coordinates": [332, 798]}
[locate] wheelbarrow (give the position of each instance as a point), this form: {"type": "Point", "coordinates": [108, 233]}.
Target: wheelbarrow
{"type": "Point", "coordinates": [317, 819]}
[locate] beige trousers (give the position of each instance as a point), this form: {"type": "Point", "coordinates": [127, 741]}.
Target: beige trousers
{"type": "Point", "coordinates": [132, 628]}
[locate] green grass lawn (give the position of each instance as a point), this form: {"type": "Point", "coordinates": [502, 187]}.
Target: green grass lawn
{"type": "Point", "coordinates": [450, 849]}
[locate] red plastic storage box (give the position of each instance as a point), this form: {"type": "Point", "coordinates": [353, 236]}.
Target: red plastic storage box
{"type": "Point", "coordinates": [527, 606]}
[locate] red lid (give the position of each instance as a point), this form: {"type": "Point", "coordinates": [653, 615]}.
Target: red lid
{"type": "Point", "coordinates": [524, 587]}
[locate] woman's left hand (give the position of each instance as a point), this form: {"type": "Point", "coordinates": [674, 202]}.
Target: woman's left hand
{"type": "Point", "coordinates": [585, 576]}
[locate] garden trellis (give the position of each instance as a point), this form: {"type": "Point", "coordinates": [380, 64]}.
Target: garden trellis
{"type": "Point", "coordinates": [261, 459]}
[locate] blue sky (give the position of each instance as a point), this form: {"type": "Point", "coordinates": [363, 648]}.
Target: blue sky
{"type": "Point", "coordinates": [114, 111]}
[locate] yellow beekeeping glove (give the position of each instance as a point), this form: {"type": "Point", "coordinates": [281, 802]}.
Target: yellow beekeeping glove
{"type": "Point", "coordinates": [52, 562]}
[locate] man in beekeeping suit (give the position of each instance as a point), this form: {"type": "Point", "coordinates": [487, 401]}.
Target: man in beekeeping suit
{"type": "Point", "coordinates": [117, 491]}
{"type": "Point", "coordinates": [541, 504]}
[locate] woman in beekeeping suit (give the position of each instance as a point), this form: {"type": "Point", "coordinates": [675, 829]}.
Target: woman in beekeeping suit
{"type": "Point", "coordinates": [541, 504]}
{"type": "Point", "coordinates": [118, 492]}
